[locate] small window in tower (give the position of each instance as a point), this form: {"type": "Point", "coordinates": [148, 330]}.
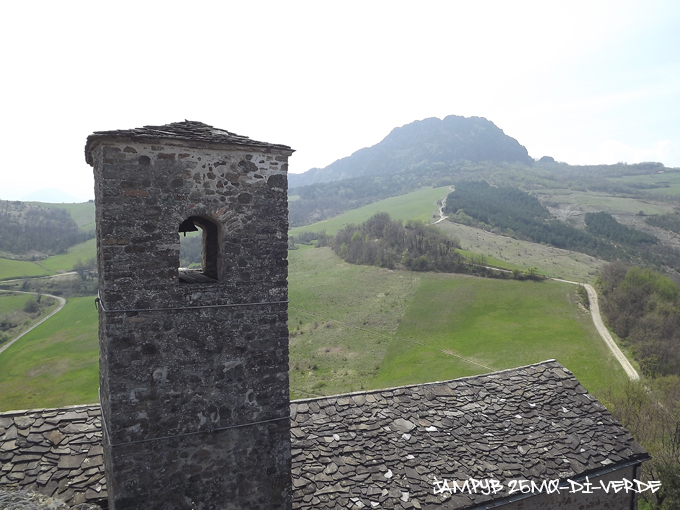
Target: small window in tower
{"type": "Point", "coordinates": [199, 250]}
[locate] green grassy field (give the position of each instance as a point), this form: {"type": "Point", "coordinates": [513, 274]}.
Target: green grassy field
{"type": "Point", "coordinates": [12, 302]}
{"type": "Point", "coordinates": [418, 205]}
{"type": "Point", "coordinates": [342, 321]}
{"type": "Point", "coordinates": [670, 178]}
{"type": "Point", "coordinates": [13, 269]}
{"type": "Point", "coordinates": [586, 201]}
{"type": "Point", "coordinates": [327, 356]}
{"type": "Point", "coordinates": [10, 269]}
{"type": "Point", "coordinates": [56, 364]}
{"type": "Point", "coordinates": [491, 261]}
{"type": "Point", "coordinates": [15, 319]}
{"type": "Point", "coordinates": [66, 261]}
{"type": "Point", "coordinates": [565, 264]}
{"type": "Point", "coordinates": [82, 213]}
{"type": "Point", "coordinates": [500, 324]}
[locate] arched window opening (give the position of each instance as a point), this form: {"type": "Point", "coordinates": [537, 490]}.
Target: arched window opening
{"type": "Point", "coordinates": [199, 250]}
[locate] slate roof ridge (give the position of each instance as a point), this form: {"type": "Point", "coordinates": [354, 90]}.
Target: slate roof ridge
{"type": "Point", "coordinates": [433, 383]}
{"type": "Point", "coordinates": [188, 130]}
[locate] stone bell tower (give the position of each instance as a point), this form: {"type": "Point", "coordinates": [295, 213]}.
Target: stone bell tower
{"type": "Point", "coordinates": [193, 363]}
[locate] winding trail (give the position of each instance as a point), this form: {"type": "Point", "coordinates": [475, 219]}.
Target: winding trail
{"type": "Point", "coordinates": [62, 302]}
{"type": "Point", "coordinates": [442, 205]}
{"type": "Point", "coordinates": [602, 330]}
{"type": "Point", "coordinates": [594, 310]}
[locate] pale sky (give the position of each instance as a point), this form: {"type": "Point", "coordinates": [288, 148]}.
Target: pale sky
{"type": "Point", "coordinates": [584, 82]}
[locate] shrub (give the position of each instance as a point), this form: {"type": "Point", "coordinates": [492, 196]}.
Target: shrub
{"type": "Point", "coordinates": [31, 306]}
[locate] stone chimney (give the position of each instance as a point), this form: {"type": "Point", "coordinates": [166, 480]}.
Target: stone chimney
{"type": "Point", "coordinates": [193, 363]}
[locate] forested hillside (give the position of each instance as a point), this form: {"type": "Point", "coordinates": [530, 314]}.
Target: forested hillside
{"type": "Point", "coordinates": [666, 221]}
{"type": "Point", "coordinates": [643, 308]}
{"type": "Point", "coordinates": [31, 228]}
{"type": "Point", "coordinates": [316, 202]}
{"type": "Point", "coordinates": [515, 213]}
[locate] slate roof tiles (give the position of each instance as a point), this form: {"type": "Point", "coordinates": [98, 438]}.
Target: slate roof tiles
{"type": "Point", "coordinates": [188, 130]}
{"type": "Point", "coordinates": [381, 448]}
{"type": "Point", "coordinates": [385, 448]}
{"type": "Point", "coordinates": [57, 452]}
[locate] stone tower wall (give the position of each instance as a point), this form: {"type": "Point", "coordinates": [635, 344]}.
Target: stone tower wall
{"type": "Point", "coordinates": [194, 376]}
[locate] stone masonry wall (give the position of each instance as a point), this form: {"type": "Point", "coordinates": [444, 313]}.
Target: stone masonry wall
{"type": "Point", "coordinates": [174, 378]}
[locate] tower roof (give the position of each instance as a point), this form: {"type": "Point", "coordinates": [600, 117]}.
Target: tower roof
{"type": "Point", "coordinates": [189, 130]}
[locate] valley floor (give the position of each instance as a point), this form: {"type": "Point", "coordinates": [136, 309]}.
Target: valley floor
{"type": "Point", "coordinates": [355, 327]}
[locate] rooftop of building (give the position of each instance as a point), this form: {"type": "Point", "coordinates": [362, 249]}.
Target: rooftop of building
{"type": "Point", "coordinates": [188, 131]}
{"type": "Point", "coordinates": [380, 448]}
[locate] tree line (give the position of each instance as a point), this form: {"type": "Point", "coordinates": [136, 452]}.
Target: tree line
{"type": "Point", "coordinates": [316, 202]}
{"type": "Point", "coordinates": [384, 242]}
{"type": "Point", "coordinates": [666, 221]}
{"type": "Point", "coordinates": [516, 213]}
{"type": "Point", "coordinates": [27, 227]}
{"type": "Point", "coordinates": [642, 307]}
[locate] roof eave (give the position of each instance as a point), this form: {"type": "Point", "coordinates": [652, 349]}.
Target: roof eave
{"type": "Point", "coordinates": [94, 140]}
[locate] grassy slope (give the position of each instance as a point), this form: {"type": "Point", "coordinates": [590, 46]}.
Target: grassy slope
{"type": "Point", "coordinates": [66, 261]}
{"type": "Point", "coordinates": [498, 323]}
{"type": "Point", "coordinates": [82, 213]}
{"type": "Point", "coordinates": [671, 178]}
{"type": "Point", "coordinates": [12, 310]}
{"type": "Point", "coordinates": [55, 364]}
{"type": "Point", "coordinates": [501, 324]}
{"type": "Point", "coordinates": [10, 269]}
{"type": "Point", "coordinates": [11, 302]}
{"type": "Point", "coordinates": [328, 357]}
{"type": "Point", "coordinates": [588, 201]}
{"type": "Point", "coordinates": [418, 205]}
{"type": "Point", "coordinates": [566, 264]}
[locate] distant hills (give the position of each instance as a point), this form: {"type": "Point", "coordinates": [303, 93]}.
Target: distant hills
{"type": "Point", "coordinates": [421, 144]}
{"type": "Point", "coordinates": [32, 231]}
{"type": "Point", "coordinates": [50, 195]}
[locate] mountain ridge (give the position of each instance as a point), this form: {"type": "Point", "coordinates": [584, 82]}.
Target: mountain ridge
{"type": "Point", "coordinates": [422, 142]}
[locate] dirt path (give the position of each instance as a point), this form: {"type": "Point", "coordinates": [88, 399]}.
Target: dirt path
{"type": "Point", "coordinates": [604, 333]}
{"type": "Point", "coordinates": [442, 205]}
{"type": "Point", "coordinates": [599, 325]}
{"type": "Point", "coordinates": [62, 302]}
{"type": "Point", "coordinates": [594, 311]}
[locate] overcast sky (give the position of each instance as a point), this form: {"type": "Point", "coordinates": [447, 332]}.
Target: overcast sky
{"type": "Point", "coordinates": [585, 82]}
